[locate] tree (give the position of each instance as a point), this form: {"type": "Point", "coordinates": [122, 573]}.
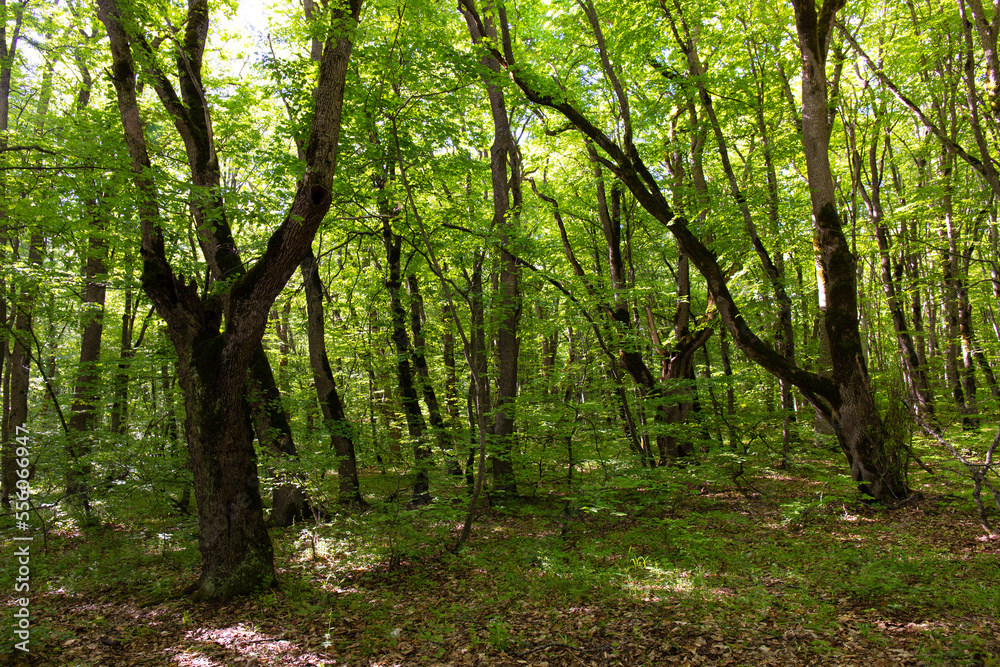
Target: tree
{"type": "Point", "coordinates": [16, 381]}
{"type": "Point", "coordinates": [845, 399]}
{"type": "Point", "coordinates": [506, 212]}
{"type": "Point", "coordinates": [854, 416]}
{"type": "Point", "coordinates": [847, 253]}
{"type": "Point", "coordinates": [217, 332]}
{"type": "Point", "coordinates": [340, 428]}
{"type": "Point", "coordinates": [419, 358]}
{"type": "Point", "coordinates": [83, 415]}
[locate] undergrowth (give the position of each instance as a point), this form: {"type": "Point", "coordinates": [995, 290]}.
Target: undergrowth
{"type": "Point", "coordinates": [780, 567]}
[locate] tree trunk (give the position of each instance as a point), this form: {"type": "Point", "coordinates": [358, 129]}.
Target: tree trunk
{"type": "Point", "coordinates": [419, 357]}
{"type": "Point", "coordinates": [951, 285]}
{"type": "Point", "coordinates": [189, 109]}
{"type": "Point", "coordinates": [284, 332]}
{"type": "Point", "coordinates": [20, 372]}
{"type": "Point", "coordinates": [914, 371]}
{"type": "Point", "coordinates": [968, 344]}
{"type": "Point", "coordinates": [473, 417]}
{"type": "Point", "coordinates": [8, 421]}
{"type": "Point", "coordinates": [479, 388]}
{"type": "Point", "coordinates": [677, 367]}
{"type": "Point", "coordinates": [727, 373]}
{"type": "Point", "coordinates": [235, 547]}
{"type": "Point", "coordinates": [289, 501]}
{"type": "Point", "coordinates": [404, 372]}
{"type": "Point", "coordinates": [24, 307]}
{"type": "Point", "coordinates": [506, 213]}
{"type": "Point", "coordinates": [845, 398]}
{"type": "Point", "coordinates": [448, 359]}
{"type": "Point", "coordinates": [340, 428]}
{"type": "Point", "coordinates": [855, 420]}
{"type": "Point", "coordinates": [119, 405]}
{"type": "Point", "coordinates": [914, 277]}
{"type": "Point", "coordinates": [773, 269]}
{"type": "Point", "coordinates": [83, 416]}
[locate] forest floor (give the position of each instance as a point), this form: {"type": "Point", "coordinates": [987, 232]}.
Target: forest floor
{"type": "Point", "coordinates": [687, 566]}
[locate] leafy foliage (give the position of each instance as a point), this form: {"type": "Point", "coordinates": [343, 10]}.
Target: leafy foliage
{"type": "Point", "coordinates": [724, 556]}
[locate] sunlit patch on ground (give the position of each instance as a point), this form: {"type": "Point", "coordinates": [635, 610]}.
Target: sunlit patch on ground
{"type": "Point", "coordinates": [195, 659]}
{"type": "Point", "coordinates": [238, 644]}
{"type": "Point", "coordinates": [781, 476]}
{"type": "Point", "coordinates": [653, 583]}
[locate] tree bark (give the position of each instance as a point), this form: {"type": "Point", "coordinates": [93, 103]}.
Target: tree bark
{"type": "Point", "coordinates": [506, 213]}
{"type": "Point", "coordinates": [968, 343]}
{"type": "Point", "coordinates": [856, 419]}
{"type": "Point", "coordinates": [119, 405]}
{"type": "Point", "coordinates": [189, 109]}
{"type": "Point", "coordinates": [479, 388]}
{"type": "Point", "coordinates": [448, 359]}
{"type": "Point", "coordinates": [951, 285]}
{"type": "Point", "coordinates": [8, 53]}
{"type": "Point", "coordinates": [20, 371]}
{"type": "Point", "coordinates": [419, 357]}
{"type": "Point", "coordinates": [340, 428]}
{"type": "Point", "coordinates": [83, 415]}
{"type": "Point", "coordinates": [915, 372]}
{"type": "Point", "coordinates": [404, 372]}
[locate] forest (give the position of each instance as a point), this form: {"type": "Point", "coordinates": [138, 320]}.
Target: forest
{"type": "Point", "coordinates": [520, 332]}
